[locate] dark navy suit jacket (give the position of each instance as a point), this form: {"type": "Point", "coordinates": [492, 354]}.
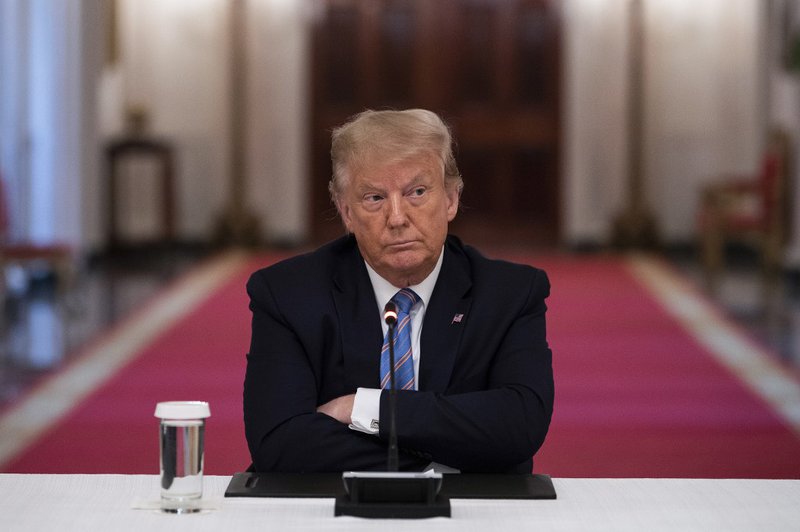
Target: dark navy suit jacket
{"type": "Point", "coordinates": [485, 380]}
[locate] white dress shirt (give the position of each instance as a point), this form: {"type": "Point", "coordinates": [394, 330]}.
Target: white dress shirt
{"type": "Point", "coordinates": [366, 407]}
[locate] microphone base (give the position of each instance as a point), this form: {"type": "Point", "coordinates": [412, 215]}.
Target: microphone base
{"type": "Point", "coordinates": [392, 496]}
{"type": "Point", "coordinates": [440, 507]}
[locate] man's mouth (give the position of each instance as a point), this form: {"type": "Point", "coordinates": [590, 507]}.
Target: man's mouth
{"type": "Point", "coordinates": [401, 245]}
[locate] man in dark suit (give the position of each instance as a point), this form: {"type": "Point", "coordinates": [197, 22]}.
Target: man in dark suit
{"type": "Point", "coordinates": [479, 388]}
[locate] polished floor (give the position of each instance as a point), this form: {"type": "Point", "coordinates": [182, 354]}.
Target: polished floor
{"type": "Point", "coordinates": [768, 310]}
{"type": "Point", "coordinates": [41, 331]}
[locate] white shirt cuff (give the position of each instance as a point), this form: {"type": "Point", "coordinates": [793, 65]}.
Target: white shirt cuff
{"type": "Point", "coordinates": [366, 410]}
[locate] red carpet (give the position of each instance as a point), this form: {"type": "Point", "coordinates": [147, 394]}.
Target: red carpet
{"type": "Point", "coordinates": [636, 395]}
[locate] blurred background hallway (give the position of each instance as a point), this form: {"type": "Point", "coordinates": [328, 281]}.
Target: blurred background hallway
{"type": "Point", "coordinates": [142, 138]}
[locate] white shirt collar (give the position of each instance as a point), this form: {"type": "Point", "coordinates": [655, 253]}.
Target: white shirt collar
{"type": "Point", "coordinates": [384, 290]}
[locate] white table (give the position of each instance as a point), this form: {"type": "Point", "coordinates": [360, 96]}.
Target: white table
{"type": "Point", "coordinates": [103, 502]}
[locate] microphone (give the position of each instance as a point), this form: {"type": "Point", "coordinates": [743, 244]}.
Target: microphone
{"type": "Point", "coordinates": [390, 314]}
{"type": "Point", "coordinates": [393, 458]}
{"type": "Point", "coordinates": [392, 494]}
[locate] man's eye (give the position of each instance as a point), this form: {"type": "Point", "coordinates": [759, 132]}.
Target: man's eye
{"type": "Point", "coordinates": [419, 191]}
{"type": "Point", "coordinates": [372, 198]}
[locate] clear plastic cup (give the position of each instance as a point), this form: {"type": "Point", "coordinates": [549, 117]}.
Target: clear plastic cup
{"type": "Point", "coordinates": [182, 432]}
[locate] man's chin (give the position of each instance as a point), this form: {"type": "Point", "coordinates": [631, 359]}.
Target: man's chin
{"type": "Point", "coordinates": [404, 261]}
{"type": "Point", "coordinates": [409, 265]}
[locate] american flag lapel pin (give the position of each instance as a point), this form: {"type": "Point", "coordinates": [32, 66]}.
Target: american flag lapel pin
{"type": "Point", "coordinates": [457, 318]}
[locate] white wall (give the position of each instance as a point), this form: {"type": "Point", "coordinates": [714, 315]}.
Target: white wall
{"type": "Point", "coordinates": [704, 101]}
{"type": "Point", "coordinates": [14, 146]}
{"type": "Point", "coordinates": [87, 188]}
{"type": "Point", "coordinates": [595, 98]}
{"type": "Point", "coordinates": [47, 105]}
{"type": "Point", "coordinates": [175, 62]}
{"type": "Point", "coordinates": [705, 110]}
{"type": "Point", "coordinates": [703, 107]}
{"type": "Point", "coordinates": [279, 105]}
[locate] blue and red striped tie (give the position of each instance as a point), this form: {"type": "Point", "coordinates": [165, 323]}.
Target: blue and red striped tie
{"type": "Point", "coordinates": [403, 361]}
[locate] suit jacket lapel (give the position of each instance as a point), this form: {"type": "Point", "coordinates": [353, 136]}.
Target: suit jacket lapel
{"type": "Point", "coordinates": [359, 321]}
{"type": "Point", "coordinates": [442, 328]}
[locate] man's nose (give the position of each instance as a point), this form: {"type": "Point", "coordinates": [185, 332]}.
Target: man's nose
{"type": "Point", "coordinates": [397, 212]}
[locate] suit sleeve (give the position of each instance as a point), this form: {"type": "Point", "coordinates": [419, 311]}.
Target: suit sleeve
{"type": "Point", "coordinates": [501, 426]}
{"type": "Point", "coordinates": [283, 430]}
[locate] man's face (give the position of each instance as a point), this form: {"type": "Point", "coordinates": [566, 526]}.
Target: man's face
{"type": "Point", "coordinates": [399, 213]}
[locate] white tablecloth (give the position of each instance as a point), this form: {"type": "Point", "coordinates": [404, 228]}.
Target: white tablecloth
{"type": "Point", "coordinates": [104, 502]}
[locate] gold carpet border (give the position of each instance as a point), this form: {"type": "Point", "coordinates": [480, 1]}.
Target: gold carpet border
{"type": "Point", "coordinates": [752, 363]}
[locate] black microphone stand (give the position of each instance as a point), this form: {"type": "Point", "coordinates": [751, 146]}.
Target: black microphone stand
{"type": "Point", "coordinates": [393, 460]}
{"type": "Point", "coordinates": [392, 494]}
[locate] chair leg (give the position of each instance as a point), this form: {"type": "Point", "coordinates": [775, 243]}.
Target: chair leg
{"type": "Point", "coordinates": [66, 274]}
{"type": "Point", "coordinates": [63, 270]}
{"type": "Point", "coordinates": [712, 256]}
{"type": "Point", "coordinates": [771, 265]}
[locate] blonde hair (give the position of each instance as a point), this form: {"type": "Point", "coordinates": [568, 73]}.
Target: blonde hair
{"type": "Point", "coordinates": [390, 136]}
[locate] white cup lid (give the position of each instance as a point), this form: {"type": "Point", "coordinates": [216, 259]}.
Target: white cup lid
{"type": "Point", "coordinates": [182, 410]}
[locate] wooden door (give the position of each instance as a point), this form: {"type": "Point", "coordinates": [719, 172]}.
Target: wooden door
{"type": "Point", "coordinates": [490, 68]}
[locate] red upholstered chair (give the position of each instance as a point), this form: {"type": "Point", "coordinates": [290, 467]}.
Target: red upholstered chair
{"type": "Point", "coordinates": [56, 256]}
{"type": "Point", "coordinates": [754, 209]}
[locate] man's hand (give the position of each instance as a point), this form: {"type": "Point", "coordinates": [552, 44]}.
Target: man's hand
{"type": "Point", "coordinates": [340, 409]}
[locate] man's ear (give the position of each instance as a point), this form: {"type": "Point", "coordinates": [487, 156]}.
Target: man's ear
{"type": "Point", "coordinates": [453, 196]}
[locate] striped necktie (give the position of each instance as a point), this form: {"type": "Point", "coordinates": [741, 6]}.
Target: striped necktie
{"type": "Point", "coordinates": [403, 361]}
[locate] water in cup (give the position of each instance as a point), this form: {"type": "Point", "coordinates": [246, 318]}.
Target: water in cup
{"type": "Point", "coordinates": [182, 459]}
{"type": "Point", "coordinates": [182, 432]}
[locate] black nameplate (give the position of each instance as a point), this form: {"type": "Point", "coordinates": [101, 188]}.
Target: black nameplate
{"type": "Point", "coordinates": [454, 486]}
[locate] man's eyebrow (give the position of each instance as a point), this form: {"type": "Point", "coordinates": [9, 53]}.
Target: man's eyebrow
{"type": "Point", "coordinates": [364, 187]}
{"type": "Point", "coordinates": [422, 177]}
{"type": "Point", "coordinates": [418, 179]}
